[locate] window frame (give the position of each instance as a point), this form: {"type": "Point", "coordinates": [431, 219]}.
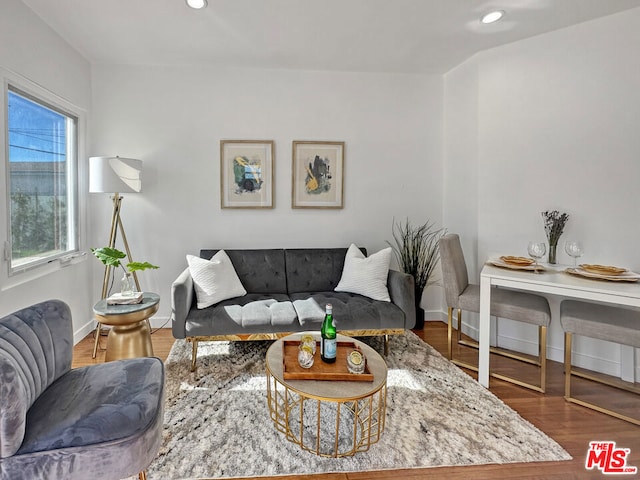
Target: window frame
{"type": "Point", "coordinates": [75, 170]}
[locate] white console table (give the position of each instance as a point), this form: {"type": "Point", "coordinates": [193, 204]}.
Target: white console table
{"type": "Point", "coordinates": [553, 282]}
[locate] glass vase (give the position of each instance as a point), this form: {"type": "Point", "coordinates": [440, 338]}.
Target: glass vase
{"type": "Point", "coordinates": [127, 287]}
{"type": "Point", "coordinates": [552, 254]}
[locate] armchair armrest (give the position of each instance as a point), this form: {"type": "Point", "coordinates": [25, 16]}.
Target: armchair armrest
{"type": "Point", "coordinates": [181, 300]}
{"type": "Point", "coordinates": [402, 292]}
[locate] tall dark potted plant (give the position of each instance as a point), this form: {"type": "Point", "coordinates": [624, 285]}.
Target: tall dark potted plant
{"type": "Point", "coordinates": [417, 252]}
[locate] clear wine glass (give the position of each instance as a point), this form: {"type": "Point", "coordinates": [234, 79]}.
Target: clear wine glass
{"type": "Point", "coordinates": [574, 249]}
{"type": "Point", "coordinates": [537, 250]}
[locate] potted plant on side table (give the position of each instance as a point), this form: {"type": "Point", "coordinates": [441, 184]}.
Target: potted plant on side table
{"type": "Point", "coordinates": [111, 257]}
{"type": "Point", "coordinates": [417, 252]}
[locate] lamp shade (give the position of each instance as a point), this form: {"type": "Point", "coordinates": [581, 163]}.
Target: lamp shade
{"type": "Point", "coordinates": [115, 175]}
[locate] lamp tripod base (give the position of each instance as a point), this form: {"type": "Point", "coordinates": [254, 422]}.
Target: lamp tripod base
{"type": "Point", "coordinates": [116, 224]}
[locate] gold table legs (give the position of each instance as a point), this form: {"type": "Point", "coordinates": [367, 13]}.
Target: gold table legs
{"type": "Point", "coordinates": [329, 428]}
{"type": "Point", "coordinates": [96, 342]}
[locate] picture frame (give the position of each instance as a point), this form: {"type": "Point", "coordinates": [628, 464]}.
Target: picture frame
{"type": "Point", "coordinates": [317, 174]}
{"type": "Point", "coordinates": [246, 173]}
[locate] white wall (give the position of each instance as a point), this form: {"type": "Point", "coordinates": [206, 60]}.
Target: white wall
{"type": "Point", "coordinates": [174, 118]}
{"type": "Point", "coordinates": [460, 151]}
{"type": "Point", "coordinates": [34, 55]}
{"type": "Point", "coordinates": [549, 122]}
{"type": "Point", "coordinates": [556, 127]}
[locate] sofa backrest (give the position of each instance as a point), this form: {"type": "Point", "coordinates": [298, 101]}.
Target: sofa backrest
{"type": "Point", "coordinates": [260, 271]}
{"type": "Point", "coordinates": [294, 270]}
{"type": "Point", "coordinates": [314, 269]}
{"type": "Point", "coordinates": [36, 346]}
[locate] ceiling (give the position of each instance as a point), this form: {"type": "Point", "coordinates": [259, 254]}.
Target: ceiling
{"type": "Point", "coordinates": [396, 36]}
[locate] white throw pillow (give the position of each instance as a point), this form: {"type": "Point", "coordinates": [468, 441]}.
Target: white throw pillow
{"type": "Point", "coordinates": [366, 275]}
{"type": "Point", "coordinates": [214, 280]}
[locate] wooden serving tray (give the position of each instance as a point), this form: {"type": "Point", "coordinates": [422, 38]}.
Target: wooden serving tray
{"type": "Point", "coordinates": [321, 370]}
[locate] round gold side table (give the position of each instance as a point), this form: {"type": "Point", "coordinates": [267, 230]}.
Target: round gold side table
{"type": "Point", "coordinates": [330, 418]}
{"type": "Point", "coordinates": [129, 336]}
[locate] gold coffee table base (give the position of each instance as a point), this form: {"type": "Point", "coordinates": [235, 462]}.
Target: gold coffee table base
{"type": "Point", "coordinates": [328, 418]}
{"type": "Point", "coordinates": [355, 424]}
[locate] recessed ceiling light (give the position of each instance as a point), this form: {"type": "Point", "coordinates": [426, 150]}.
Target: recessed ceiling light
{"type": "Point", "coordinates": [197, 4]}
{"type": "Point", "coordinates": [492, 17]}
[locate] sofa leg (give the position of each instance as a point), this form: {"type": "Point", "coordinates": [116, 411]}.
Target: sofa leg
{"type": "Point", "coordinates": [194, 354]}
{"type": "Point", "coordinates": [142, 475]}
{"type": "Point", "coordinates": [386, 345]}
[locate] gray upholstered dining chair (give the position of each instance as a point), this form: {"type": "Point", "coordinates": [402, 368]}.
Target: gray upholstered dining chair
{"type": "Point", "coordinates": [99, 421]}
{"type": "Point", "coordinates": [511, 304]}
{"type": "Point", "coordinates": [603, 322]}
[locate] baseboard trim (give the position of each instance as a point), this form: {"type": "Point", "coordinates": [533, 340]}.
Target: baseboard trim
{"type": "Point", "coordinates": [83, 331]}
{"type": "Point", "coordinates": [435, 316]}
{"type": "Point", "coordinates": [90, 325]}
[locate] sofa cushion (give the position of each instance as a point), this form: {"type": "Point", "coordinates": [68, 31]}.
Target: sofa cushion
{"type": "Point", "coordinates": [366, 275]}
{"type": "Point", "coordinates": [253, 313]}
{"type": "Point", "coordinates": [260, 271]}
{"type": "Point", "coordinates": [214, 280]}
{"type": "Point", "coordinates": [350, 311]}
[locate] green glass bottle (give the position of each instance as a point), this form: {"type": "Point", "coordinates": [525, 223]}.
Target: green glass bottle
{"type": "Point", "coordinates": [328, 345]}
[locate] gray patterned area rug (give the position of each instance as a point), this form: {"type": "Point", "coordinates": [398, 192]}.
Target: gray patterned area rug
{"type": "Point", "coordinates": [217, 422]}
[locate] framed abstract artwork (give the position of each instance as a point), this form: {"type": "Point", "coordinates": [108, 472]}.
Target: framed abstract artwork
{"type": "Point", "coordinates": [246, 173]}
{"type": "Point", "coordinates": [317, 174]}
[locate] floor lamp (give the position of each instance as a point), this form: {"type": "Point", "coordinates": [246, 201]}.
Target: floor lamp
{"type": "Point", "coordinates": [114, 175]}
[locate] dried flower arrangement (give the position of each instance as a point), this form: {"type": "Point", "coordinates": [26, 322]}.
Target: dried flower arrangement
{"type": "Point", "coordinates": [554, 223]}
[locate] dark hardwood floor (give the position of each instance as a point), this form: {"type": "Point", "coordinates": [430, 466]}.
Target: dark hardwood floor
{"type": "Point", "coordinates": [572, 426]}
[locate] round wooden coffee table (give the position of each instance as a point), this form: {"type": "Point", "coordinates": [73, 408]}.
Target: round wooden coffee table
{"type": "Point", "coordinates": [129, 336]}
{"type": "Point", "coordinates": [331, 418]}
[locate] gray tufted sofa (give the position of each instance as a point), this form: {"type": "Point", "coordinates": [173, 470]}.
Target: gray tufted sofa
{"type": "Point", "coordinates": [287, 290]}
{"type": "Point", "coordinates": [100, 421]}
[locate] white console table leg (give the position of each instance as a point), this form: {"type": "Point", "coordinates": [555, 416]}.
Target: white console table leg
{"type": "Point", "coordinates": [484, 328]}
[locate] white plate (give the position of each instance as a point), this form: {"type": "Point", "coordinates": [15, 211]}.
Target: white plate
{"type": "Point", "coordinates": [627, 276]}
{"type": "Point", "coordinates": [500, 263]}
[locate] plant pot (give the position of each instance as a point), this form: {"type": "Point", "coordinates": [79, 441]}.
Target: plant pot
{"type": "Point", "coordinates": [419, 317]}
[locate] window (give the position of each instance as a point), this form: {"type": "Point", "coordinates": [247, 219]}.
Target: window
{"type": "Point", "coordinates": [42, 181]}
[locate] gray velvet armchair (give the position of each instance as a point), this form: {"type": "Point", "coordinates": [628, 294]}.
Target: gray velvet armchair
{"type": "Point", "coordinates": [100, 421]}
